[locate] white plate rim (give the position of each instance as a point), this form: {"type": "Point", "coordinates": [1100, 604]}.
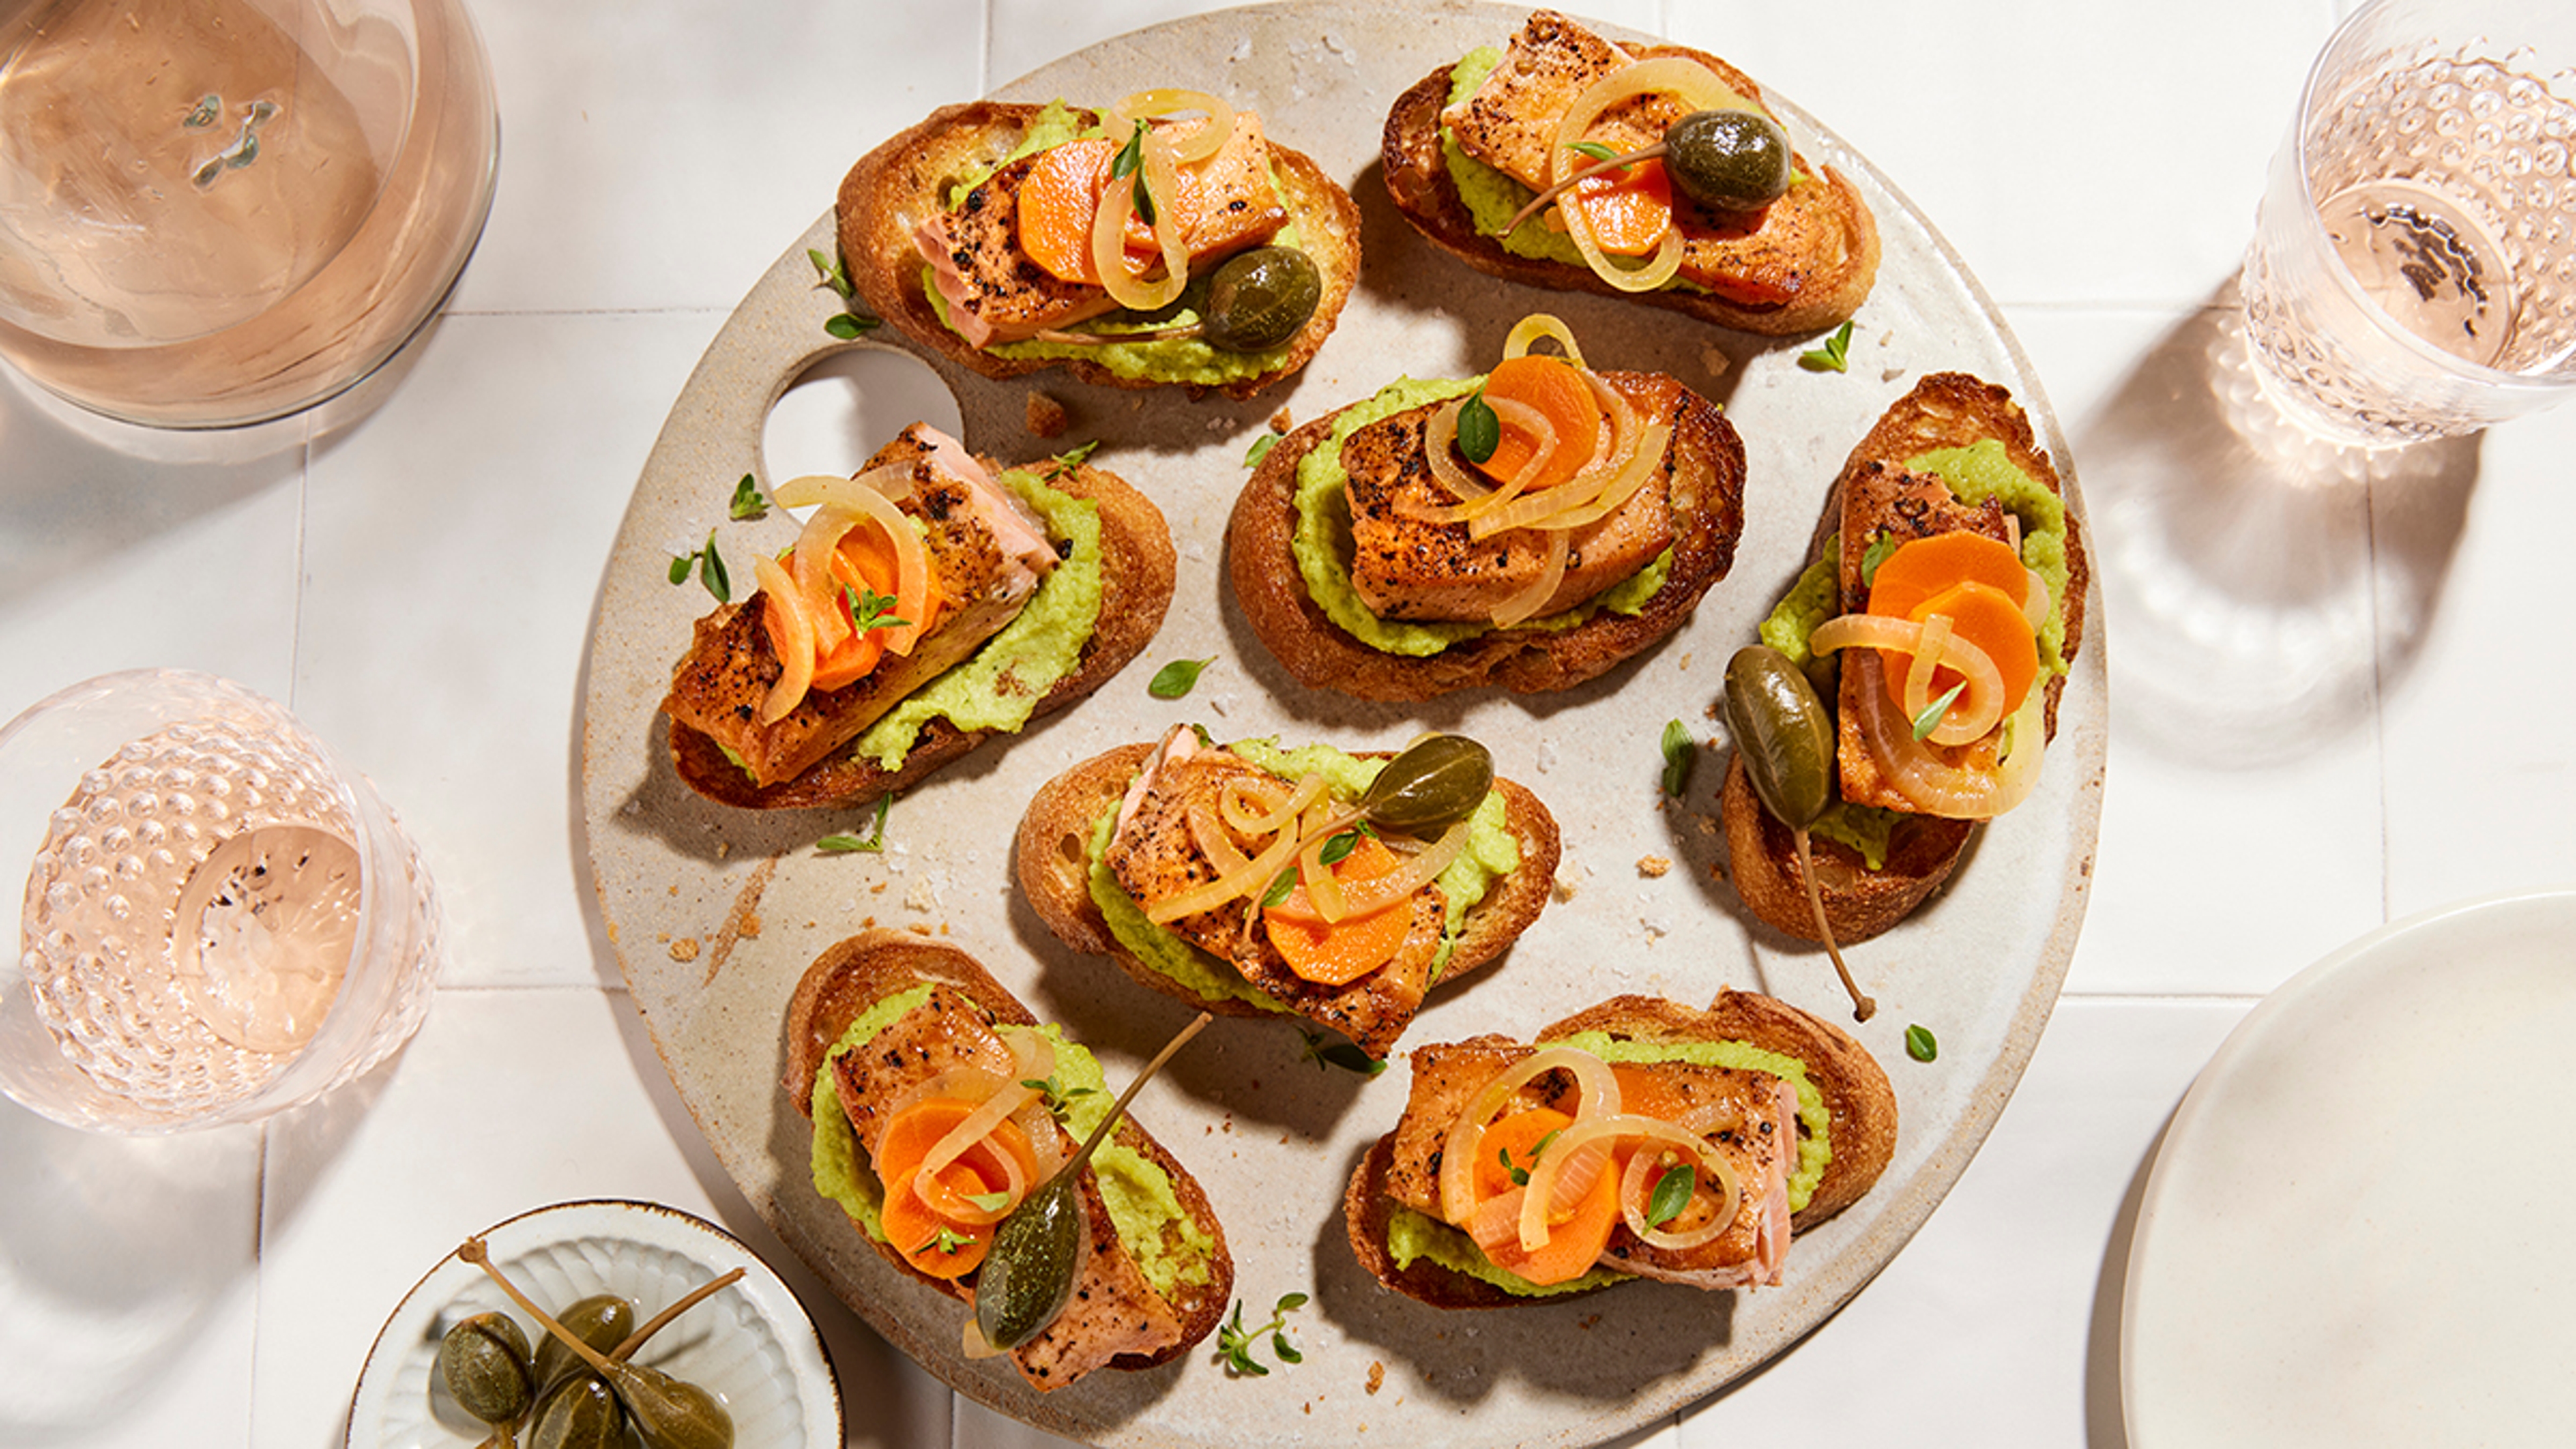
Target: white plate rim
{"type": "Point", "coordinates": [2160, 1229]}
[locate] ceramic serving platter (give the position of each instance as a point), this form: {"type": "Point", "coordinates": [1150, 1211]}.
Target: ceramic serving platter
{"type": "Point", "coordinates": [751, 1343]}
{"type": "Point", "coordinates": [715, 912]}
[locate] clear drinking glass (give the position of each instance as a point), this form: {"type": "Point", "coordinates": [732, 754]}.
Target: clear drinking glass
{"type": "Point", "coordinates": [2413, 268]}
{"type": "Point", "coordinates": [215, 212]}
{"type": "Point", "coordinates": [219, 921]}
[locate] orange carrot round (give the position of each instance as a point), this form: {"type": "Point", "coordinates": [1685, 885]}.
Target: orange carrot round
{"type": "Point", "coordinates": [1340, 952]}
{"type": "Point", "coordinates": [1629, 209]}
{"type": "Point", "coordinates": [1518, 1134]}
{"type": "Point", "coordinates": [1559, 393]}
{"type": "Point", "coordinates": [1988, 618]}
{"type": "Point", "coordinates": [1574, 1242]}
{"type": "Point", "coordinates": [929, 1242]}
{"type": "Point", "coordinates": [1933, 575]}
{"type": "Point", "coordinates": [1924, 567]}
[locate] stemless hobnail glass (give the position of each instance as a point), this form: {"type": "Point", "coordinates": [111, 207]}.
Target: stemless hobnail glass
{"type": "Point", "coordinates": [2413, 268]}
{"type": "Point", "coordinates": [218, 920]}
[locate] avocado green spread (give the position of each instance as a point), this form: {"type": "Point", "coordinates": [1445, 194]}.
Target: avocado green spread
{"type": "Point", "coordinates": [1323, 548]}
{"type": "Point", "coordinates": [1981, 470]}
{"type": "Point", "coordinates": [1174, 359]}
{"type": "Point", "coordinates": [999, 686]}
{"type": "Point", "coordinates": [1169, 1246]}
{"type": "Point", "coordinates": [1412, 1235]}
{"type": "Point", "coordinates": [1492, 852]}
{"type": "Point", "coordinates": [1492, 198]}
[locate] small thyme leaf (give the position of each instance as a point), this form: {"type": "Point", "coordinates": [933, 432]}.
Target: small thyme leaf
{"type": "Point", "coordinates": [1261, 447]}
{"type": "Point", "coordinates": [1131, 157]}
{"type": "Point", "coordinates": [849, 325]}
{"type": "Point", "coordinates": [681, 563]}
{"type": "Point", "coordinates": [870, 610]}
{"type": "Point", "coordinates": [1234, 1341]}
{"type": "Point", "coordinates": [1919, 1043]}
{"type": "Point", "coordinates": [1339, 848]}
{"type": "Point", "coordinates": [1881, 544]}
{"type": "Point", "coordinates": [1595, 150]}
{"type": "Point", "coordinates": [872, 842]}
{"type": "Point", "coordinates": [1480, 432]}
{"type": "Point", "coordinates": [1672, 1193]}
{"type": "Point", "coordinates": [1144, 200]}
{"type": "Point", "coordinates": [1930, 719]}
{"type": "Point", "coordinates": [1340, 1054]}
{"type": "Point", "coordinates": [711, 572]}
{"type": "Point", "coordinates": [1063, 464]}
{"type": "Point", "coordinates": [1279, 888]}
{"type": "Point", "coordinates": [944, 1241]}
{"type": "Point", "coordinates": [748, 506]}
{"type": "Point", "coordinates": [830, 268]}
{"type": "Point", "coordinates": [1176, 678]}
{"type": "Point", "coordinates": [1833, 356]}
{"type": "Point", "coordinates": [1680, 753]}
{"type": "Point", "coordinates": [991, 1202]}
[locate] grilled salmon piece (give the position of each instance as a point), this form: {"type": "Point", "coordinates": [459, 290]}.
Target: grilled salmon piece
{"type": "Point", "coordinates": [1509, 123]}
{"type": "Point", "coordinates": [1155, 858]}
{"type": "Point", "coordinates": [1113, 1310]}
{"type": "Point", "coordinates": [997, 293]}
{"type": "Point", "coordinates": [1405, 568]}
{"type": "Point", "coordinates": [1761, 1145]}
{"type": "Point", "coordinates": [985, 556]}
{"type": "Point", "coordinates": [1879, 498]}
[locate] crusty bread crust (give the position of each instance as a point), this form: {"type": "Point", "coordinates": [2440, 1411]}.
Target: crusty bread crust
{"type": "Point", "coordinates": [1830, 285]}
{"type": "Point", "coordinates": [894, 187]}
{"type": "Point", "coordinates": [1705, 471]}
{"type": "Point", "coordinates": [1051, 857]}
{"type": "Point", "coordinates": [1945, 410]}
{"type": "Point", "coordinates": [857, 973]}
{"type": "Point", "coordinates": [1137, 571]}
{"type": "Point", "coordinates": [1856, 1092]}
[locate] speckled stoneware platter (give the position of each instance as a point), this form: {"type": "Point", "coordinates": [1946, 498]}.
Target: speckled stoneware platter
{"type": "Point", "coordinates": [716, 912]}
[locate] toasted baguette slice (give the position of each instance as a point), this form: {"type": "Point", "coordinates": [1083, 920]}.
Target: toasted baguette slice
{"type": "Point", "coordinates": [1944, 410]}
{"type": "Point", "coordinates": [1052, 857]}
{"type": "Point", "coordinates": [867, 968]}
{"type": "Point", "coordinates": [1826, 259]}
{"type": "Point", "coordinates": [1704, 483]}
{"type": "Point", "coordinates": [888, 193]}
{"type": "Point", "coordinates": [1855, 1089]}
{"type": "Point", "coordinates": [1137, 570]}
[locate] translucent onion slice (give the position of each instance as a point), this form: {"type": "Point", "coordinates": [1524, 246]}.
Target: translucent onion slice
{"type": "Point", "coordinates": [967, 1084]}
{"type": "Point", "coordinates": [971, 1133]}
{"type": "Point", "coordinates": [1611, 457]}
{"type": "Point", "coordinates": [1537, 325]}
{"type": "Point", "coordinates": [893, 481]}
{"type": "Point", "coordinates": [1195, 144]}
{"type": "Point", "coordinates": [1981, 706]}
{"type": "Point", "coordinates": [1524, 605]}
{"type": "Point", "coordinates": [1033, 1060]}
{"type": "Point", "coordinates": [812, 567]}
{"type": "Point", "coordinates": [1573, 1162]}
{"type": "Point", "coordinates": [1321, 888]}
{"type": "Point", "coordinates": [1368, 897]}
{"type": "Point", "coordinates": [796, 650]}
{"type": "Point", "coordinates": [1696, 85]}
{"type": "Point", "coordinates": [1109, 233]}
{"type": "Point", "coordinates": [1597, 1093]}
{"type": "Point", "coordinates": [1290, 804]}
{"type": "Point", "coordinates": [1625, 485]}
{"type": "Point", "coordinates": [1659, 269]}
{"type": "Point", "coordinates": [1253, 877]}
{"type": "Point", "coordinates": [1210, 835]}
{"type": "Point", "coordinates": [1934, 786]}
{"type": "Point", "coordinates": [2034, 599]}
{"type": "Point", "coordinates": [912, 565]}
{"type": "Point", "coordinates": [990, 1160]}
{"type": "Point", "coordinates": [1636, 1194]}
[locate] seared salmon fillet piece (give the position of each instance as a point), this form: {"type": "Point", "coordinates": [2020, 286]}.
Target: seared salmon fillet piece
{"type": "Point", "coordinates": [997, 293]}
{"type": "Point", "coordinates": [1155, 858]}
{"type": "Point", "coordinates": [985, 555]}
{"type": "Point", "coordinates": [1758, 1138]}
{"type": "Point", "coordinates": [1881, 499]}
{"type": "Point", "coordinates": [1113, 1309]}
{"type": "Point", "coordinates": [1405, 568]}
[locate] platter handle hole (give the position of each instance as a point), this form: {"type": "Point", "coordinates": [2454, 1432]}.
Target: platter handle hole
{"type": "Point", "coordinates": [838, 412]}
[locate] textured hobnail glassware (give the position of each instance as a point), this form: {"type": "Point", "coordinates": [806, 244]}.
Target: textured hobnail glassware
{"type": "Point", "coordinates": [2413, 268]}
{"type": "Point", "coordinates": [218, 921]}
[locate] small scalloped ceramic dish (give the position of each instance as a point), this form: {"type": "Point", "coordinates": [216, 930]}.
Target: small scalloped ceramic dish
{"type": "Point", "coordinates": [752, 1344]}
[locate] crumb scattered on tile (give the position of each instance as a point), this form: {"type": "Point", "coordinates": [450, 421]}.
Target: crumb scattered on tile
{"type": "Point", "coordinates": [921, 928]}
{"type": "Point", "coordinates": [1045, 417]}
{"type": "Point", "coordinates": [1280, 422]}
{"type": "Point", "coordinates": [1377, 1376]}
{"type": "Point", "coordinates": [1653, 867]}
{"type": "Point", "coordinates": [685, 949]}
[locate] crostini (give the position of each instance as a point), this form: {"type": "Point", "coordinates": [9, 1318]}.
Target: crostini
{"type": "Point", "coordinates": [1638, 1139]}
{"type": "Point", "coordinates": [1260, 880]}
{"type": "Point", "coordinates": [930, 602]}
{"type": "Point", "coordinates": [1527, 530]}
{"type": "Point", "coordinates": [938, 1103]}
{"type": "Point", "coordinates": [1940, 615]}
{"type": "Point", "coordinates": [1475, 155]}
{"type": "Point", "coordinates": [1132, 246]}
